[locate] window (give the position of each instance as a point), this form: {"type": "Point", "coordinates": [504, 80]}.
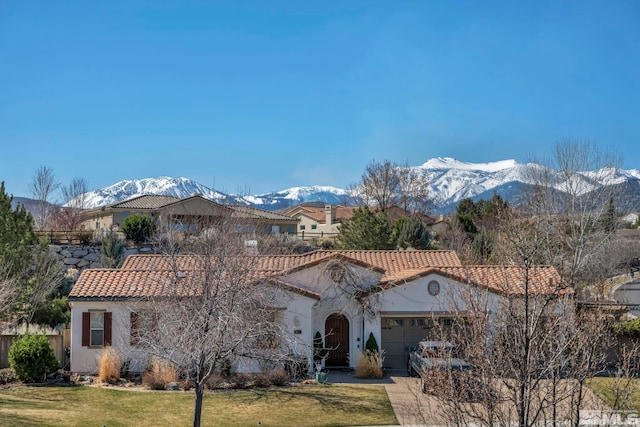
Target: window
{"type": "Point", "coordinates": [314, 226]}
{"type": "Point", "coordinates": [96, 328]}
{"type": "Point", "coordinates": [303, 227]}
{"type": "Point", "coordinates": [143, 324]}
{"type": "Point", "coordinates": [275, 229]}
{"type": "Point", "coordinates": [291, 229]}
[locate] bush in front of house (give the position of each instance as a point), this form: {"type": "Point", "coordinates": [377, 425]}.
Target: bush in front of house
{"type": "Point", "coordinates": [7, 376]}
{"type": "Point", "coordinates": [32, 358]}
{"type": "Point", "coordinates": [369, 365]}
{"type": "Point", "coordinates": [110, 365]}
{"type": "Point", "coordinates": [138, 228]}
{"type": "Point", "coordinates": [371, 344]}
{"type": "Point", "coordinates": [159, 373]}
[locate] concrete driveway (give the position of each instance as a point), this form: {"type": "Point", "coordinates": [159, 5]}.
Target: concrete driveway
{"type": "Point", "coordinates": [414, 408]}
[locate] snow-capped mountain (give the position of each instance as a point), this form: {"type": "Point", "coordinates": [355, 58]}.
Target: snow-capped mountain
{"type": "Point", "coordinates": [450, 181]}
{"type": "Point", "coordinates": [164, 185]}
{"type": "Point", "coordinates": [296, 195]}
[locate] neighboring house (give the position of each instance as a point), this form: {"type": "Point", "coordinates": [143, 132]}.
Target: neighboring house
{"type": "Point", "coordinates": [345, 295]}
{"type": "Point", "coordinates": [320, 221]}
{"type": "Point", "coordinates": [439, 227]}
{"type": "Point", "coordinates": [181, 214]}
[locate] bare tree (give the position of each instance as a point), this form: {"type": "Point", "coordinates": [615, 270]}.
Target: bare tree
{"type": "Point", "coordinates": [212, 309]}
{"type": "Point", "coordinates": [75, 202]}
{"type": "Point", "coordinates": [569, 204]}
{"type": "Point", "coordinates": [42, 186]}
{"type": "Point", "coordinates": [386, 184]}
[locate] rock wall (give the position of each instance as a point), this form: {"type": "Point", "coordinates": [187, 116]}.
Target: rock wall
{"type": "Point", "coordinates": [80, 257]}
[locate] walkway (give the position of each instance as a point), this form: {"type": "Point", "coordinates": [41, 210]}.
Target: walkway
{"type": "Point", "coordinates": [412, 407]}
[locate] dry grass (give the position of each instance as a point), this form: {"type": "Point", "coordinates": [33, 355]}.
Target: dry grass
{"type": "Point", "coordinates": [301, 405]}
{"type": "Point", "coordinates": [159, 374]}
{"type": "Point", "coordinates": [110, 362]}
{"type": "Point", "coordinates": [369, 365]}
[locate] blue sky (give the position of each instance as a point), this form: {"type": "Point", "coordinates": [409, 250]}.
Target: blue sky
{"type": "Point", "coordinates": [261, 96]}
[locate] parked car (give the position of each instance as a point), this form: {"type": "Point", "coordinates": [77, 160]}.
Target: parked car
{"type": "Point", "coordinates": [430, 359]}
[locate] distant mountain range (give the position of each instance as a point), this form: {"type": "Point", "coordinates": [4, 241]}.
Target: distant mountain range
{"type": "Point", "coordinates": [450, 182]}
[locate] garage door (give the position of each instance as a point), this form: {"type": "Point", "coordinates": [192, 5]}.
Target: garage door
{"type": "Point", "coordinates": [400, 333]}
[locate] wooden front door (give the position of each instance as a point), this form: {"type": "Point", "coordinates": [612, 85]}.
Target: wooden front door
{"type": "Point", "coordinates": [336, 329]}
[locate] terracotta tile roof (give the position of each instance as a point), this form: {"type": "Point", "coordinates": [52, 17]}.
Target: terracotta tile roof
{"type": "Point", "coordinates": [389, 261]}
{"type": "Point", "coordinates": [507, 280]}
{"type": "Point", "coordinates": [147, 271]}
{"type": "Point", "coordinates": [111, 284]}
{"type": "Point", "coordinates": [149, 201]}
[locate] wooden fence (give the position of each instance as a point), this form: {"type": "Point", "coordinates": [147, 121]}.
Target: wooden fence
{"type": "Point", "coordinates": [57, 343]}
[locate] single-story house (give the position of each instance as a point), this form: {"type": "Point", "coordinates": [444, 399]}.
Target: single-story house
{"type": "Point", "coordinates": [401, 295]}
{"type": "Point", "coordinates": [179, 214]}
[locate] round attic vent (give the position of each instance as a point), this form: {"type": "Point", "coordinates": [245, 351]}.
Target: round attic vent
{"type": "Point", "coordinates": [336, 272]}
{"type": "Point", "coordinates": [433, 288]}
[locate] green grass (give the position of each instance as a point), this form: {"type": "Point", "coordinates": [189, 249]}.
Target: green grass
{"type": "Point", "coordinates": [304, 405]}
{"type": "Point", "coordinates": [604, 388]}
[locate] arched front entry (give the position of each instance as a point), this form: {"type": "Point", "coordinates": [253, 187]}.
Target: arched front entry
{"type": "Point", "coordinates": [336, 330]}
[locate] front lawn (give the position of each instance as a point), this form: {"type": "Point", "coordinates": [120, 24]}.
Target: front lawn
{"type": "Point", "coordinates": [300, 405]}
{"type": "Point", "coordinates": [618, 396]}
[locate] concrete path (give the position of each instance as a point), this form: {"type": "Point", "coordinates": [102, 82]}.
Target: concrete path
{"type": "Point", "coordinates": [411, 406]}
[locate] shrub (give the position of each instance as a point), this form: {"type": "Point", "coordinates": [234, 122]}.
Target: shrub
{"type": "Point", "coordinates": [368, 365]}
{"type": "Point", "coordinates": [52, 312]}
{"type": "Point", "coordinates": [159, 374]}
{"type": "Point", "coordinates": [112, 251]}
{"type": "Point", "coordinates": [279, 377]}
{"type": "Point", "coordinates": [319, 352]}
{"type": "Point", "coordinates": [138, 228]}
{"type": "Point", "coordinates": [32, 358]}
{"type": "Point", "coordinates": [7, 376]}
{"type": "Point", "coordinates": [296, 367]}
{"type": "Point", "coordinates": [242, 380]}
{"type": "Point", "coordinates": [371, 344]}
{"type": "Point", "coordinates": [262, 380]}
{"type": "Point", "coordinates": [110, 363]}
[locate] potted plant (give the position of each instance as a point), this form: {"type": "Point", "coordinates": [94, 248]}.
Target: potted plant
{"type": "Point", "coordinates": [319, 353]}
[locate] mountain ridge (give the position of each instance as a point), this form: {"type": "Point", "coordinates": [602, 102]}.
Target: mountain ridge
{"type": "Point", "coordinates": [450, 181]}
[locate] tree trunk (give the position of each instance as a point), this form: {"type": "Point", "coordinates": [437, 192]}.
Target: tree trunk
{"type": "Point", "coordinates": [197, 412]}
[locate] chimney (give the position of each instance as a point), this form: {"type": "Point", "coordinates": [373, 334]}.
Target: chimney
{"type": "Point", "coordinates": [329, 214]}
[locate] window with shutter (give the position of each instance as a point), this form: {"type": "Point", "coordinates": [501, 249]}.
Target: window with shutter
{"type": "Point", "coordinates": [96, 328]}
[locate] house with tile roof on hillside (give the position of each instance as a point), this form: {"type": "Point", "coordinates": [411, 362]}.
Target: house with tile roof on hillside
{"type": "Point", "coordinates": [316, 222]}
{"type": "Point", "coordinates": [398, 296]}
{"type": "Point", "coordinates": [181, 214]}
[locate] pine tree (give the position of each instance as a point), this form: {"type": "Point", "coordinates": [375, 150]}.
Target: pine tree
{"type": "Point", "coordinates": [366, 230]}
{"type": "Point", "coordinates": [16, 235]}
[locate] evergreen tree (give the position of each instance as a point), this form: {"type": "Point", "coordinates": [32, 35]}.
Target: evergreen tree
{"type": "Point", "coordinates": [366, 230]}
{"type": "Point", "coordinates": [410, 233]}
{"type": "Point", "coordinates": [16, 236]}
{"type": "Point", "coordinates": [138, 228]}
{"type": "Point", "coordinates": [608, 219]}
